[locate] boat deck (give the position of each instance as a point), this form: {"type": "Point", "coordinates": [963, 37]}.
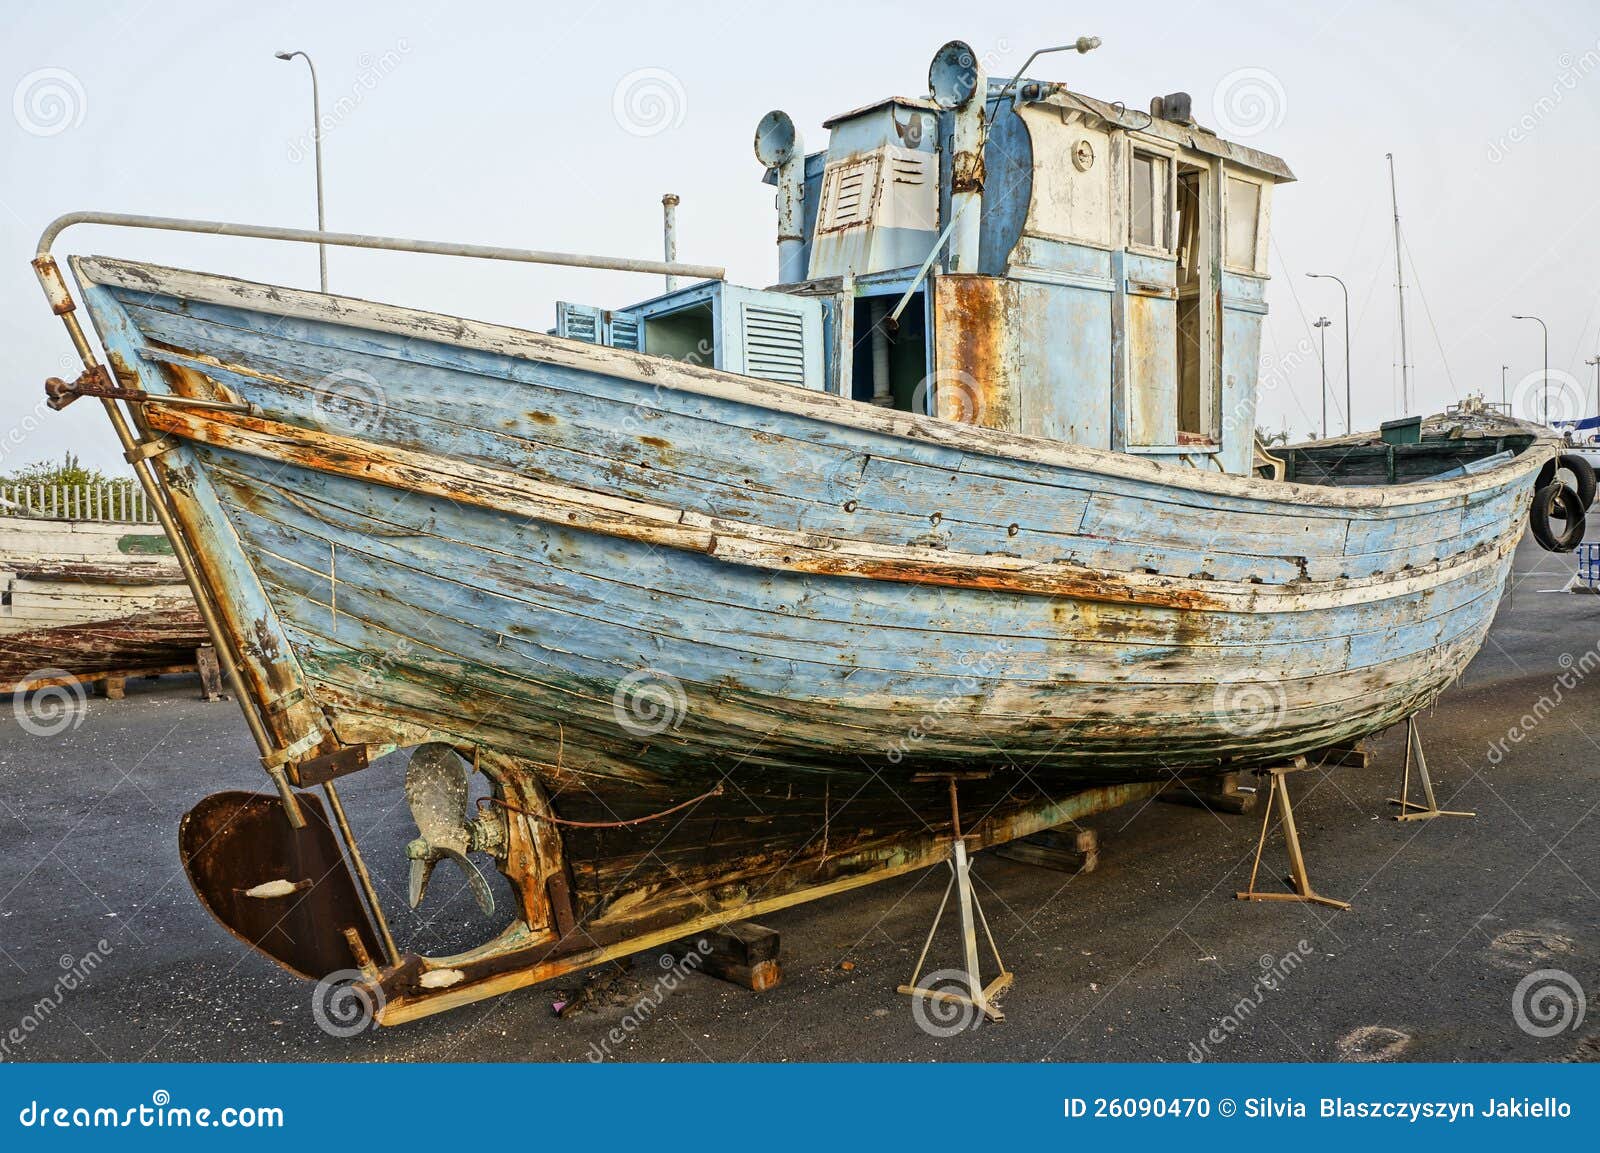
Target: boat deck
{"type": "Point", "coordinates": [1135, 961]}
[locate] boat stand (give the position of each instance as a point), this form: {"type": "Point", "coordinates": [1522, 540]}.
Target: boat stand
{"type": "Point", "coordinates": [1278, 788]}
{"type": "Point", "coordinates": [1410, 810]}
{"type": "Point", "coordinates": [979, 996]}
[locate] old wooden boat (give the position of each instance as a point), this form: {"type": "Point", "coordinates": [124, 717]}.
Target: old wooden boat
{"type": "Point", "coordinates": [85, 601]}
{"type": "Point", "coordinates": [718, 590]}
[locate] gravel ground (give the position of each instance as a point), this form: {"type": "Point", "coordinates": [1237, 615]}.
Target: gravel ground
{"type": "Point", "coordinates": [1147, 958]}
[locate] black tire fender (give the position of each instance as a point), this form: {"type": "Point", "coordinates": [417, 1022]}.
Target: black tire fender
{"type": "Point", "coordinates": [1557, 499]}
{"type": "Point", "coordinates": [1582, 474]}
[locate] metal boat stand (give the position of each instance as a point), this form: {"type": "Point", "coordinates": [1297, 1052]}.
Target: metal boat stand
{"type": "Point", "coordinates": [978, 996]}
{"type": "Point", "coordinates": [1278, 788]}
{"type": "Point", "coordinates": [1410, 810]}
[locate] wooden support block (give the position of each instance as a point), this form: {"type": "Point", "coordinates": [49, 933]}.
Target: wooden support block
{"type": "Point", "coordinates": [1345, 754]}
{"type": "Point", "coordinates": [742, 953]}
{"type": "Point", "coordinates": [113, 688]}
{"type": "Point", "coordinates": [1219, 794]}
{"type": "Point", "coordinates": [1068, 850]}
{"type": "Point", "coordinates": [210, 670]}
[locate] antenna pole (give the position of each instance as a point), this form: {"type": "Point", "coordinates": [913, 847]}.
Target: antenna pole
{"type": "Point", "coordinates": [1400, 289]}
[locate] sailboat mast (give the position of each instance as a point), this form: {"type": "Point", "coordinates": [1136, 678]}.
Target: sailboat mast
{"type": "Point", "coordinates": [1400, 289]}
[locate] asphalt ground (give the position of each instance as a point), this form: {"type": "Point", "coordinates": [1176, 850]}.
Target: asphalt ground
{"type": "Point", "coordinates": [1149, 957]}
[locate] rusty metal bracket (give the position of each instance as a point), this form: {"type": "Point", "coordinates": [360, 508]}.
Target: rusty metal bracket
{"type": "Point", "coordinates": [330, 766]}
{"type": "Point", "coordinates": [95, 381]}
{"type": "Point", "coordinates": [146, 449]}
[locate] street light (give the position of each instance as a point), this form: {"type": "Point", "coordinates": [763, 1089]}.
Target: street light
{"type": "Point", "coordinates": [1506, 403]}
{"type": "Point", "coordinates": [1349, 413]}
{"type": "Point", "coordinates": [1595, 360]}
{"type": "Point", "coordinates": [1545, 391]}
{"type": "Point", "coordinates": [316, 138]}
{"type": "Point", "coordinates": [1322, 323]}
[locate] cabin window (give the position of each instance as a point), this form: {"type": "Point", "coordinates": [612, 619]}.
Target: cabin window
{"type": "Point", "coordinates": [1244, 214]}
{"type": "Point", "coordinates": [1147, 201]}
{"type": "Point", "coordinates": [688, 334]}
{"type": "Point", "coordinates": [889, 364]}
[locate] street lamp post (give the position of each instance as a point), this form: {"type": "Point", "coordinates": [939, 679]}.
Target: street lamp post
{"type": "Point", "coordinates": [1323, 322]}
{"type": "Point", "coordinates": [1545, 389]}
{"type": "Point", "coordinates": [316, 139]}
{"type": "Point", "coordinates": [1595, 360]}
{"type": "Point", "coordinates": [1349, 414]}
{"type": "Point", "coordinates": [1503, 399]}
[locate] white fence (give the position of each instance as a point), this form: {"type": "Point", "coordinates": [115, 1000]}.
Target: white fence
{"type": "Point", "coordinates": [117, 503]}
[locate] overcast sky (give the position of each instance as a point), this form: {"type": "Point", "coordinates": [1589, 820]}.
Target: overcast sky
{"type": "Point", "coordinates": [560, 126]}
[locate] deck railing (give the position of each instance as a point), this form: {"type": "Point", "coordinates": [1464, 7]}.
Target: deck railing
{"type": "Point", "coordinates": [113, 503]}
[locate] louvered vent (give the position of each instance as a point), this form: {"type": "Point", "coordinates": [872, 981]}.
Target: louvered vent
{"type": "Point", "coordinates": [578, 322]}
{"type": "Point", "coordinates": [853, 189]}
{"type": "Point", "coordinates": [624, 332]}
{"type": "Point", "coordinates": [774, 345]}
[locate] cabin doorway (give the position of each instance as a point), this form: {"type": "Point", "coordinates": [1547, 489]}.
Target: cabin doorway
{"type": "Point", "coordinates": [889, 362]}
{"type": "Point", "coordinates": [1193, 273]}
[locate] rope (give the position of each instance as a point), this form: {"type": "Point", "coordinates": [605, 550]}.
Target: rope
{"type": "Point", "coordinates": [555, 820]}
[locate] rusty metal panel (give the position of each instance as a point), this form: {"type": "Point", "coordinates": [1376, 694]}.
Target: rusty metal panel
{"type": "Point", "coordinates": [286, 892]}
{"type": "Point", "coordinates": [976, 378]}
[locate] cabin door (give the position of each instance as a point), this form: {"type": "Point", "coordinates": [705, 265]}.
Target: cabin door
{"type": "Point", "coordinates": [1194, 328]}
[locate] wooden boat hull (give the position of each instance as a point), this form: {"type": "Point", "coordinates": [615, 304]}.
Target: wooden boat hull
{"type": "Point", "coordinates": [617, 584]}
{"type": "Point", "coordinates": [87, 600]}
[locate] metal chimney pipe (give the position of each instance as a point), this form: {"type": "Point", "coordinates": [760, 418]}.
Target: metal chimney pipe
{"type": "Point", "coordinates": [669, 234]}
{"type": "Point", "coordinates": [957, 83]}
{"type": "Point", "coordinates": [778, 145]}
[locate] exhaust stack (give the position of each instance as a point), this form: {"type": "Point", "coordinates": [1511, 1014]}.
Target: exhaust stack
{"type": "Point", "coordinates": [957, 83]}
{"type": "Point", "coordinates": [778, 146]}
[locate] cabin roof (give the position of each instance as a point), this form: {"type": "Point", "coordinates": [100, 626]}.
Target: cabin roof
{"type": "Point", "coordinates": [1185, 133]}
{"type": "Point", "coordinates": [1188, 134]}
{"type": "Point", "coordinates": [918, 102]}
